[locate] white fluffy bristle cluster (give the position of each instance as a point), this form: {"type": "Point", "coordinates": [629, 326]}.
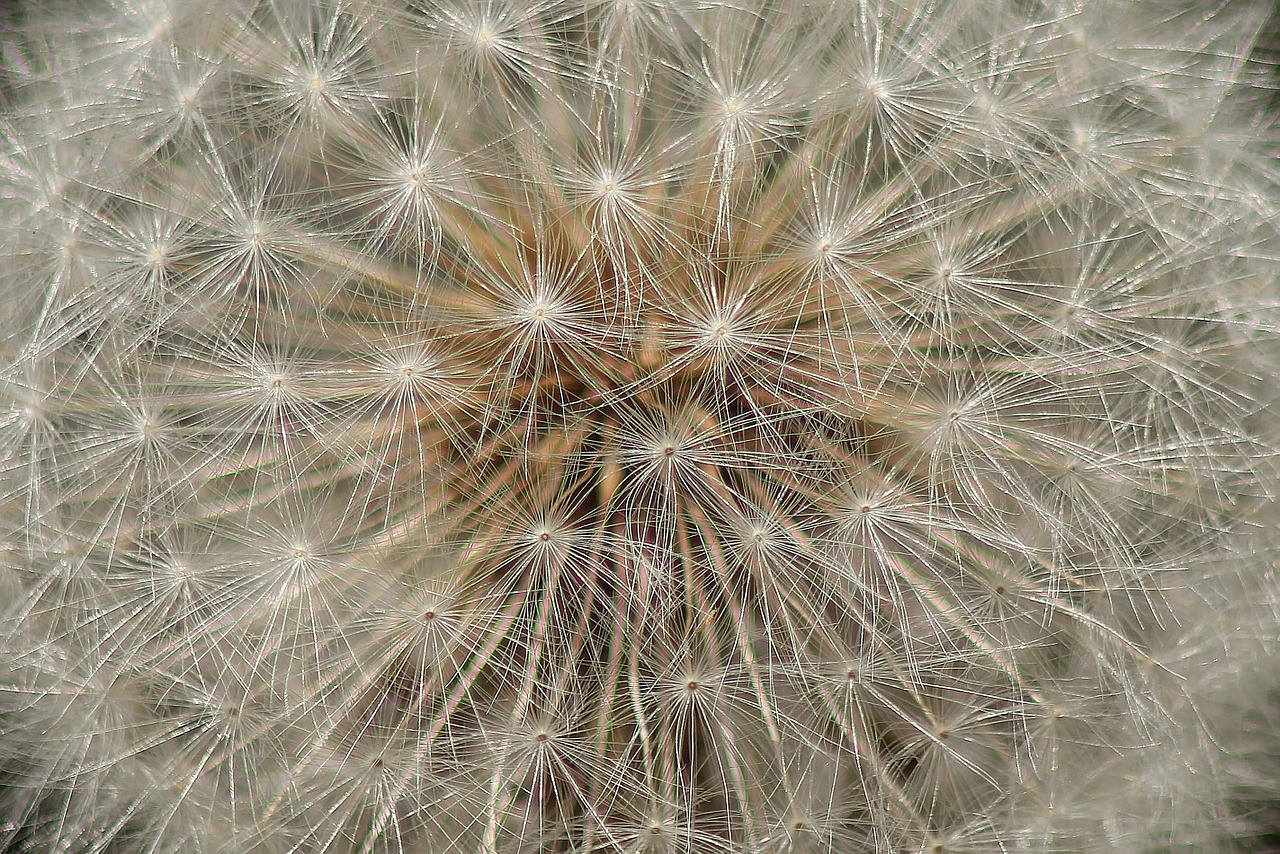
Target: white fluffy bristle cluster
{"type": "Point", "coordinates": [637, 426]}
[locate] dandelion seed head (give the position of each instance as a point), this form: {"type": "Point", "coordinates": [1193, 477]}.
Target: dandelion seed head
{"type": "Point", "coordinates": [563, 426]}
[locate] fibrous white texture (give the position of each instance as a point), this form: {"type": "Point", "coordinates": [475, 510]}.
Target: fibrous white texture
{"type": "Point", "coordinates": [636, 426]}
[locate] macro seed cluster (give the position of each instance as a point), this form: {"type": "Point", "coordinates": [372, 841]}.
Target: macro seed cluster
{"type": "Point", "coordinates": [634, 425]}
